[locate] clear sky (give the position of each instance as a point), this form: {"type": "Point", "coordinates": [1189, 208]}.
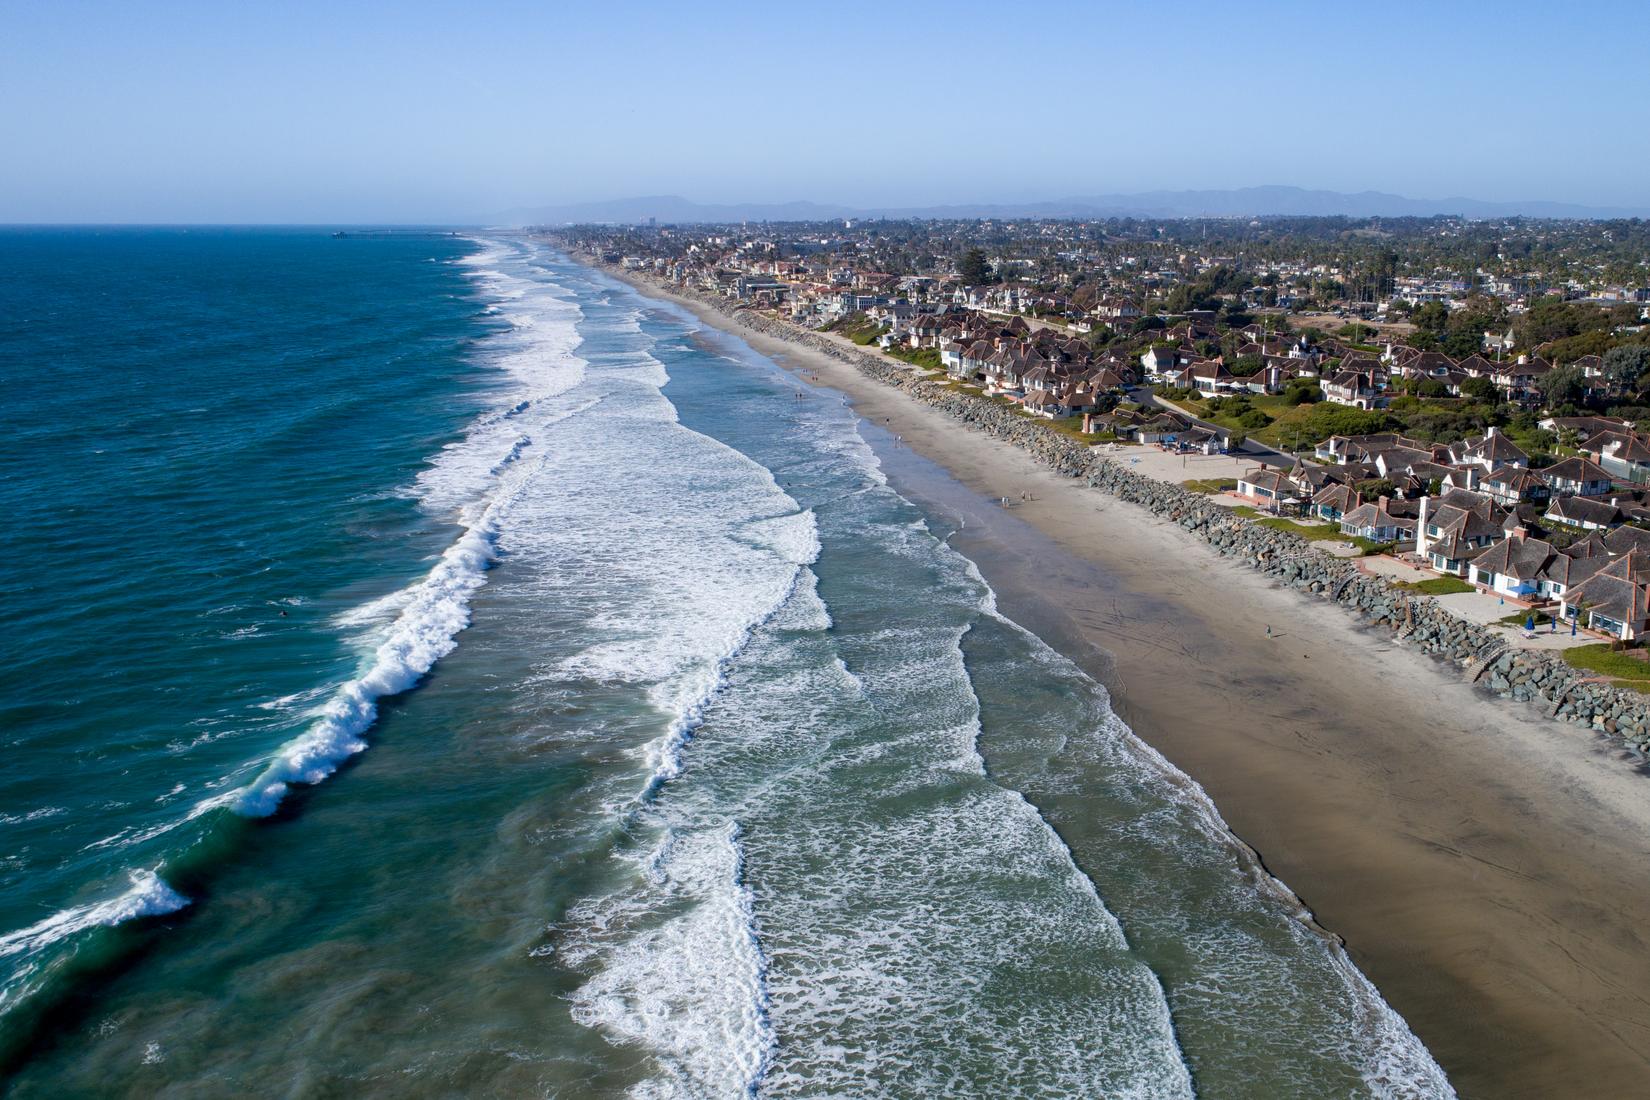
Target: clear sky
{"type": "Point", "coordinates": [348, 112]}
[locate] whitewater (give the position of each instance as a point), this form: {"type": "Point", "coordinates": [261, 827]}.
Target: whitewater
{"type": "Point", "coordinates": [692, 765]}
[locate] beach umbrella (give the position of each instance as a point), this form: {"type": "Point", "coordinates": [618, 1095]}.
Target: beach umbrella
{"type": "Point", "coordinates": [1529, 624]}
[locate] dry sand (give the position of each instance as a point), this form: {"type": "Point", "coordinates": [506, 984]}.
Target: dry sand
{"type": "Point", "coordinates": [1489, 870]}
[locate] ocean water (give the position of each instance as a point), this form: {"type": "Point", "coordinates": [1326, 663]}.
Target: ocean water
{"type": "Point", "coordinates": [440, 670]}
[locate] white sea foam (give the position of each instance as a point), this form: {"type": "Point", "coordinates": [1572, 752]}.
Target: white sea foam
{"type": "Point", "coordinates": [148, 896]}
{"type": "Point", "coordinates": [479, 478]}
{"type": "Point", "coordinates": [668, 546]}
{"type": "Point", "coordinates": [133, 835]}
{"type": "Point", "coordinates": [1380, 1045]}
{"type": "Point", "coordinates": [688, 988]}
{"type": "Point", "coordinates": [437, 608]}
{"type": "Point", "coordinates": [300, 699]}
{"type": "Point", "coordinates": [881, 930]}
{"type": "Point", "coordinates": [881, 937]}
{"type": "Point", "coordinates": [36, 814]}
{"type": "Point", "coordinates": [698, 595]}
{"type": "Point", "coordinates": [376, 612]}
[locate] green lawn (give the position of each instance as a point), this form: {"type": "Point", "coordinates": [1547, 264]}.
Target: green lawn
{"type": "Point", "coordinates": [928, 358]}
{"type": "Point", "coordinates": [1210, 485]}
{"type": "Point", "coordinates": [1315, 532]}
{"type": "Point", "coordinates": [858, 328]}
{"type": "Point", "coordinates": [1073, 427]}
{"type": "Point", "coordinates": [1438, 586]}
{"type": "Point", "coordinates": [1602, 659]}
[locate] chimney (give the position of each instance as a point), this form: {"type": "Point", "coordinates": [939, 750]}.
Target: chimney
{"type": "Point", "coordinates": [1489, 431]}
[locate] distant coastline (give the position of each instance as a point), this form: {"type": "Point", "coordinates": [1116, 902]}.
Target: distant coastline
{"type": "Point", "coordinates": [1242, 202]}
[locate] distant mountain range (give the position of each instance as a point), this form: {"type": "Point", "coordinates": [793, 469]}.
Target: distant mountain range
{"type": "Point", "coordinates": [1242, 202]}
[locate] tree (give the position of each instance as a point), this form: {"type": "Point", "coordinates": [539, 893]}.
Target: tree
{"type": "Point", "coordinates": [1461, 342]}
{"type": "Point", "coordinates": [1431, 317]}
{"type": "Point", "coordinates": [974, 268]}
{"type": "Point", "coordinates": [1625, 367]}
{"type": "Point", "coordinates": [1302, 391]}
{"type": "Point", "coordinates": [1480, 389]}
{"type": "Point", "coordinates": [1562, 386]}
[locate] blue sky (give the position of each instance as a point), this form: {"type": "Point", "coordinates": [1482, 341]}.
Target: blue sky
{"type": "Point", "coordinates": [429, 112]}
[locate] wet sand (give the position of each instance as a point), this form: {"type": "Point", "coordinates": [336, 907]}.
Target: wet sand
{"type": "Point", "coordinates": [1487, 869]}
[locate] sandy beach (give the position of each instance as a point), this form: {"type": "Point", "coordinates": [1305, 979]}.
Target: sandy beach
{"type": "Point", "coordinates": [1487, 869]}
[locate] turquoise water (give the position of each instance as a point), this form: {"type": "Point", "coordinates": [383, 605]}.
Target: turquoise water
{"type": "Point", "coordinates": [445, 671]}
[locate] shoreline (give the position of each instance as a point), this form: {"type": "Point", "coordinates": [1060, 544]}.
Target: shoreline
{"type": "Point", "coordinates": [1477, 861]}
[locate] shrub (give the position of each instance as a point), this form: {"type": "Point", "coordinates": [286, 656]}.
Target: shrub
{"type": "Point", "coordinates": [1320, 421]}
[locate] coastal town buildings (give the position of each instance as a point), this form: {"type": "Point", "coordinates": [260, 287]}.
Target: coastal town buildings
{"type": "Point", "coordinates": [1476, 422]}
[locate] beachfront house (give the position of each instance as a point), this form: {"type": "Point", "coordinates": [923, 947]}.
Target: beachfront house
{"type": "Point", "coordinates": [1334, 501]}
{"type": "Point", "coordinates": [1514, 567]}
{"type": "Point", "coordinates": [1455, 527]}
{"type": "Point", "coordinates": [1615, 600]}
{"type": "Point", "coordinates": [1271, 490]}
{"type": "Point", "coordinates": [1199, 440]}
{"type": "Point", "coordinates": [1377, 523]}
{"type": "Point", "coordinates": [1162, 428]}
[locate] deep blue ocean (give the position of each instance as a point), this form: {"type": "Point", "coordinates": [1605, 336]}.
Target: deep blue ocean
{"type": "Point", "coordinates": [438, 670]}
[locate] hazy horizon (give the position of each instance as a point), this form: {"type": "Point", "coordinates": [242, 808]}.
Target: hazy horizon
{"type": "Point", "coordinates": [410, 114]}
